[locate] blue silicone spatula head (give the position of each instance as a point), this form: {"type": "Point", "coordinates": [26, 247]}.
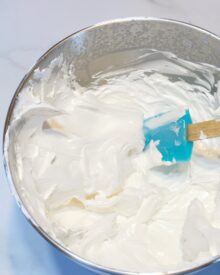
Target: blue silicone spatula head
{"type": "Point", "coordinates": [169, 132]}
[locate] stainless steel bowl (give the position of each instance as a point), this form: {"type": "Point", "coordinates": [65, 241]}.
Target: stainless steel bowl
{"type": "Point", "coordinates": [87, 50]}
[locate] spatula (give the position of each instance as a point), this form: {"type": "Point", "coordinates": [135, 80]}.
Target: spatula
{"type": "Point", "coordinates": [173, 133]}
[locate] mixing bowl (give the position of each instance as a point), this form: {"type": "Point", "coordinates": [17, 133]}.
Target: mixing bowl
{"type": "Point", "coordinates": [103, 46]}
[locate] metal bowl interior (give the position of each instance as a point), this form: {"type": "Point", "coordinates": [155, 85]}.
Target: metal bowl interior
{"type": "Point", "coordinates": [97, 48]}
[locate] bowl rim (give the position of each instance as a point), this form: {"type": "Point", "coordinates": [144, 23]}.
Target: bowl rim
{"type": "Point", "coordinates": [14, 190]}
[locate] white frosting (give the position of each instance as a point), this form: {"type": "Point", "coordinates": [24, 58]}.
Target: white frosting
{"type": "Point", "coordinates": [83, 172]}
{"type": "Point", "coordinates": [202, 135]}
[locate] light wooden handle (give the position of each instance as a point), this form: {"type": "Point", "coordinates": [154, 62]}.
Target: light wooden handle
{"type": "Point", "coordinates": [203, 130]}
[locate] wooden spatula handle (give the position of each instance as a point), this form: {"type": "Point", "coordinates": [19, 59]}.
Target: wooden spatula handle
{"type": "Point", "coordinates": [203, 130]}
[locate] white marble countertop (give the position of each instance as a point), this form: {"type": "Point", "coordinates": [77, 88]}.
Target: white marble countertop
{"type": "Point", "coordinates": [27, 29]}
